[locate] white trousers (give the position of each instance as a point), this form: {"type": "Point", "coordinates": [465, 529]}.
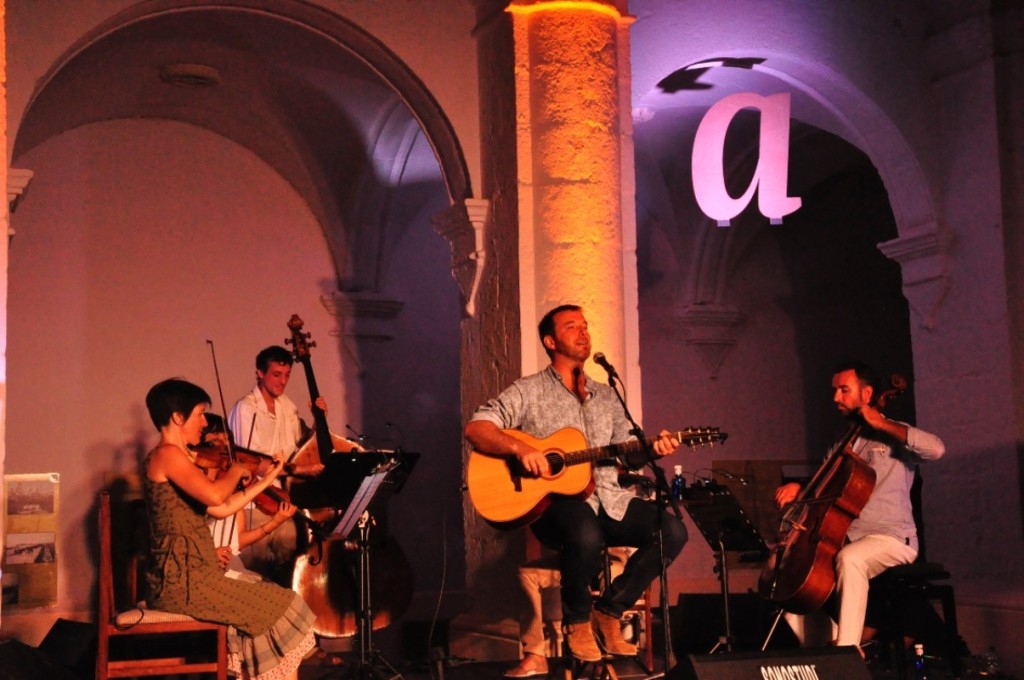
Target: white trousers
{"type": "Point", "coordinates": [856, 563]}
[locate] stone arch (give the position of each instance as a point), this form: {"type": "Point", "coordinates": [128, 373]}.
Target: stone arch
{"type": "Point", "coordinates": [363, 319]}
{"type": "Point", "coordinates": [321, 173]}
{"type": "Point", "coordinates": [824, 103]}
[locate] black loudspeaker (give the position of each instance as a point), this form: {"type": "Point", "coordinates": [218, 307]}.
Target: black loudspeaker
{"type": "Point", "coordinates": [72, 644]}
{"type": "Point", "coordinates": [698, 621]}
{"type": "Point", "coordinates": [828, 663]}
{"type": "Point", "coordinates": [18, 661]}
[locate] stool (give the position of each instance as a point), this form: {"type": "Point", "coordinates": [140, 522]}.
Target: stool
{"type": "Point", "coordinates": [574, 669]}
{"type": "Point", "coordinates": [540, 623]}
{"type": "Point", "coordinates": [899, 585]}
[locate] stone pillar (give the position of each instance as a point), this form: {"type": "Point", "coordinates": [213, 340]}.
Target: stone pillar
{"type": "Point", "coordinates": [573, 240]}
{"type": "Point", "coordinates": [576, 208]}
{"type": "Point", "coordinates": [5, 223]}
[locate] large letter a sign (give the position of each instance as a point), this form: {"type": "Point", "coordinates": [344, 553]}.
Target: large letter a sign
{"type": "Point", "coordinates": [771, 175]}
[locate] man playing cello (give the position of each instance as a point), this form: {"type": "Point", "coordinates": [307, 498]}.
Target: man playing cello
{"type": "Point", "coordinates": [884, 535]}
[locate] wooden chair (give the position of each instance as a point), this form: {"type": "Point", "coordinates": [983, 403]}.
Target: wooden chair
{"type": "Point", "coordinates": [152, 642]}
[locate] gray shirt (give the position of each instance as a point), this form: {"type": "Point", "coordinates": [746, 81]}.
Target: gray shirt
{"type": "Point", "coordinates": [540, 405]}
{"type": "Point", "coordinates": [888, 510]}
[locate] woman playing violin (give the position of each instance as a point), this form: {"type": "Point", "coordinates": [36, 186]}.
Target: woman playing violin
{"type": "Point", "coordinates": [232, 534]}
{"type": "Point", "coordinates": [270, 628]}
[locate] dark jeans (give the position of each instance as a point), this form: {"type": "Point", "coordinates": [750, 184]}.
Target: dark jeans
{"type": "Point", "coordinates": [571, 527]}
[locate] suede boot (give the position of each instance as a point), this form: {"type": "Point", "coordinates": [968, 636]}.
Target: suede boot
{"type": "Point", "coordinates": [581, 641]}
{"type": "Point", "coordinates": [609, 630]}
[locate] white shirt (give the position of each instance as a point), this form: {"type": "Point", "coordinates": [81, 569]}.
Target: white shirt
{"type": "Point", "coordinates": [257, 429]}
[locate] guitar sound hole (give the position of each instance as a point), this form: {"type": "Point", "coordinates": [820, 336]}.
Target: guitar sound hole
{"type": "Point", "coordinates": [556, 463]}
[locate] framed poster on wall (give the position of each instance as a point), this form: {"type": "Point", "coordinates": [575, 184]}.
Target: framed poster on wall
{"type": "Point", "coordinates": [31, 507]}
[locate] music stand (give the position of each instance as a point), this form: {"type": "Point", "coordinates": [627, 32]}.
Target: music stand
{"type": "Point", "coordinates": [383, 472]}
{"type": "Point", "coordinates": [724, 525]}
{"type": "Point", "coordinates": [338, 484]}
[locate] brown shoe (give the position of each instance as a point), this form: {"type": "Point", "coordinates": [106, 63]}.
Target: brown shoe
{"type": "Point", "coordinates": [609, 629]}
{"type": "Point", "coordinates": [581, 641]}
{"type": "Point", "coordinates": [531, 666]}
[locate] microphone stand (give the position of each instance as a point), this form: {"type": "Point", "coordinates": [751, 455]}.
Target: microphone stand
{"type": "Point", "coordinates": [662, 497]}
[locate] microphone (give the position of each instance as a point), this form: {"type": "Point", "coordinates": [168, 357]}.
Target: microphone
{"type": "Point", "coordinates": [360, 438]}
{"type": "Point", "coordinates": [398, 433]}
{"type": "Point", "coordinates": [602, 361]}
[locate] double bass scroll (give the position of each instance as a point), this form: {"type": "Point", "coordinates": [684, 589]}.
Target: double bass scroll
{"type": "Point", "coordinates": [323, 444]}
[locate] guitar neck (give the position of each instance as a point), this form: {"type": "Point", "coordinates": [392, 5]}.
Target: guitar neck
{"type": "Point", "coordinates": [691, 437]}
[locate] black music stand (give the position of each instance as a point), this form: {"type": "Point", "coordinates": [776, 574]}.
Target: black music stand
{"type": "Point", "coordinates": [338, 484]}
{"type": "Point", "coordinates": [351, 482]}
{"type": "Point", "coordinates": [724, 525]}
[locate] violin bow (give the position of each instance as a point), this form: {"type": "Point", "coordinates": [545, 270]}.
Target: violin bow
{"type": "Point", "coordinates": [224, 420]}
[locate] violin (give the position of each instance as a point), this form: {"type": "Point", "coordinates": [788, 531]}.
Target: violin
{"type": "Point", "coordinates": [217, 455]}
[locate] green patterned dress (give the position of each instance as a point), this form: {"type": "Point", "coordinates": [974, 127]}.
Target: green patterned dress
{"type": "Point", "coordinates": [270, 628]}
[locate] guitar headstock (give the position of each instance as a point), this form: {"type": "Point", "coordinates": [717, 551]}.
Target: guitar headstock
{"type": "Point", "coordinates": [700, 436]}
{"type": "Point", "coordinates": [300, 342]}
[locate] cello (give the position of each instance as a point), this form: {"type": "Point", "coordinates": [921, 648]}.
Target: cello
{"type": "Point", "coordinates": [327, 575]}
{"type": "Point", "coordinates": [800, 572]}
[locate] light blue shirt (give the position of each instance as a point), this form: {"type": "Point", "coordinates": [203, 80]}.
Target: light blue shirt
{"type": "Point", "coordinates": [540, 405]}
{"type": "Point", "coordinates": [888, 510]}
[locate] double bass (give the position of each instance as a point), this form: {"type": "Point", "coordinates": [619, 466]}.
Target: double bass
{"type": "Point", "coordinates": [327, 575]}
{"type": "Point", "coordinates": [800, 572]}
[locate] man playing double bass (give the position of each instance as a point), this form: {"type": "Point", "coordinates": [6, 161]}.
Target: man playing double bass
{"type": "Point", "coordinates": [266, 421]}
{"type": "Point", "coordinates": [884, 535]}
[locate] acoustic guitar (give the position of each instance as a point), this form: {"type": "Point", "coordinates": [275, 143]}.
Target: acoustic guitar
{"type": "Point", "coordinates": [505, 496]}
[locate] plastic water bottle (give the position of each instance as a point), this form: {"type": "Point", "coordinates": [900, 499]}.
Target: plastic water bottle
{"type": "Point", "coordinates": [920, 665]}
{"type": "Point", "coordinates": [678, 483]}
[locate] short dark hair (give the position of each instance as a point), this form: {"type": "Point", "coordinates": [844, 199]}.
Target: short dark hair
{"type": "Point", "coordinates": [215, 425]}
{"type": "Point", "coordinates": [546, 326]}
{"type": "Point", "coordinates": [171, 396]}
{"type": "Point", "coordinates": [865, 374]}
{"type": "Point", "coordinates": [275, 354]}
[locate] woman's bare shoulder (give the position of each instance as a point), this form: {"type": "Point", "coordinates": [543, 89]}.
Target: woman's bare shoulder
{"type": "Point", "coordinates": [162, 458]}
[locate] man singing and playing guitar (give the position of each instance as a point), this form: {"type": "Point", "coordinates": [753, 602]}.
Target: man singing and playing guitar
{"type": "Point", "coordinates": [581, 525]}
{"type": "Point", "coordinates": [884, 534]}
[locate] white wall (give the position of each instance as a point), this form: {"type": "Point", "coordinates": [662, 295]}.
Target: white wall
{"type": "Point", "coordinates": [141, 241]}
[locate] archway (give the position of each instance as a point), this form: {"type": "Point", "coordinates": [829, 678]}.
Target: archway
{"type": "Point", "coordinates": [279, 170]}
{"type": "Point", "coordinates": [743, 324]}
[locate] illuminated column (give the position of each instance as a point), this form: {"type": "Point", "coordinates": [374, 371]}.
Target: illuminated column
{"type": "Point", "coordinates": [576, 208]}
{"type": "Point", "coordinates": [4, 226]}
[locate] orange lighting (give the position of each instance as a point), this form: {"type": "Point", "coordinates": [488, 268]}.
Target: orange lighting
{"type": "Point", "coordinates": [568, 100]}
{"type": "Point", "coordinates": [586, 5]}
